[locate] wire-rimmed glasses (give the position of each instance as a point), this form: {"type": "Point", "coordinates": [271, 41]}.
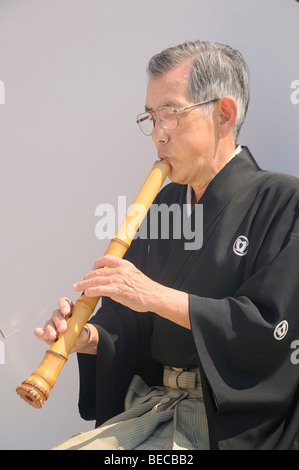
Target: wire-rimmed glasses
{"type": "Point", "coordinates": [167, 116]}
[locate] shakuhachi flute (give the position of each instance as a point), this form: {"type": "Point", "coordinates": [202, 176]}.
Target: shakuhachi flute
{"type": "Point", "coordinates": [35, 390]}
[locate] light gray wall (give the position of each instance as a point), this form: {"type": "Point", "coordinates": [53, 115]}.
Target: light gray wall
{"type": "Point", "coordinates": [74, 76]}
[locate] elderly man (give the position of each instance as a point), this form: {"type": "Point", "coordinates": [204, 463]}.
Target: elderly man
{"type": "Point", "coordinates": [191, 349]}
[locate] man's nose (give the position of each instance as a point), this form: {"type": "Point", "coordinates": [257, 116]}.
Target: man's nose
{"type": "Point", "coordinates": [159, 134]}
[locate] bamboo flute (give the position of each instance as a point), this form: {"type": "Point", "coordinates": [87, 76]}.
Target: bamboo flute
{"type": "Point", "coordinates": [35, 390]}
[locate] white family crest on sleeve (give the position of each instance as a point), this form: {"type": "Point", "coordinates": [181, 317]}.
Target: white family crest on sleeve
{"type": "Point", "coordinates": [281, 330]}
{"type": "Point", "coordinates": [240, 246]}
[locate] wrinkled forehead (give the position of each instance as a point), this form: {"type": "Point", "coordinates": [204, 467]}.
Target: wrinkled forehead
{"type": "Point", "coordinates": [169, 89]}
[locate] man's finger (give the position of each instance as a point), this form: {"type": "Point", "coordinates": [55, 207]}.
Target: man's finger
{"type": "Point", "coordinates": [65, 305]}
{"type": "Point", "coordinates": [109, 261]}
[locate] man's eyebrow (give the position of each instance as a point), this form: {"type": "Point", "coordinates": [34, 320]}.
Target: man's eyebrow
{"type": "Point", "coordinates": [171, 104]}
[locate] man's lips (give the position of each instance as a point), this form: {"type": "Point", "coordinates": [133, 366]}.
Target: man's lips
{"type": "Point", "coordinates": [164, 157]}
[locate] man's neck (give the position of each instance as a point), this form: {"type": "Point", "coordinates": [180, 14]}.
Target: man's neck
{"type": "Point", "coordinates": [196, 193]}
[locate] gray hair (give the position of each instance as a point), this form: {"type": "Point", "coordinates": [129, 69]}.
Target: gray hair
{"type": "Point", "coordinates": [217, 70]}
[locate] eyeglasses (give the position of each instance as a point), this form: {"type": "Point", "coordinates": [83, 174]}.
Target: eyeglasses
{"type": "Point", "coordinates": [168, 117]}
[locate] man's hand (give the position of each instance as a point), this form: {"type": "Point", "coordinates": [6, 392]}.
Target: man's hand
{"type": "Point", "coordinates": [120, 280]}
{"type": "Point", "coordinates": [56, 323]}
{"type": "Point", "coordinates": [87, 340]}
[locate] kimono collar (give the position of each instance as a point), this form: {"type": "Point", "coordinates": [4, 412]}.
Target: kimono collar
{"type": "Point", "coordinates": [235, 177]}
{"type": "Point", "coordinates": [190, 190]}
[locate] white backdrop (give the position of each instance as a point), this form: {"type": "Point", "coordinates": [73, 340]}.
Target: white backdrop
{"type": "Point", "coordinates": [73, 74]}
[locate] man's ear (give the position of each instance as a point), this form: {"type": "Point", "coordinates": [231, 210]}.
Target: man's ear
{"type": "Point", "coordinates": [227, 111]}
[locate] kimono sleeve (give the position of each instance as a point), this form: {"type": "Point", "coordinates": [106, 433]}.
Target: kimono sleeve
{"type": "Point", "coordinates": [123, 351]}
{"type": "Point", "coordinates": [244, 341]}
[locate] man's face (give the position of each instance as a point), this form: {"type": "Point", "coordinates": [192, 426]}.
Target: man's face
{"type": "Point", "coordinates": [191, 147]}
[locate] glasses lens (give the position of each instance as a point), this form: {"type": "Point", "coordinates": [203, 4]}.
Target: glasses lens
{"type": "Point", "coordinates": [145, 122]}
{"type": "Point", "coordinates": [167, 118]}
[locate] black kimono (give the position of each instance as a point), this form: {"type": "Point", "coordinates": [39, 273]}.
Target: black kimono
{"type": "Point", "coordinates": [243, 286]}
